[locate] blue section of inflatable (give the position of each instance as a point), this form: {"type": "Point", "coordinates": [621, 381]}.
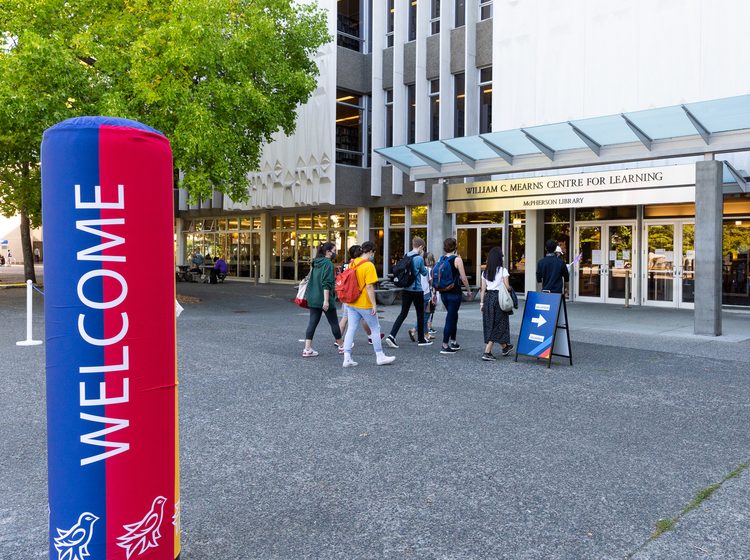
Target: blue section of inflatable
{"type": "Point", "coordinates": [70, 157]}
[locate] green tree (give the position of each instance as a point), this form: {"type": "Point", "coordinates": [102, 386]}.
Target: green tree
{"type": "Point", "coordinates": [218, 77]}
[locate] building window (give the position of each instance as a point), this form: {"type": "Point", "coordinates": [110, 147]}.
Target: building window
{"type": "Point", "coordinates": [349, 115]}
{"type": "Point", "coordinates": [390, 12]}
{"type": "Point", "coordinates": [388, 118]}
{"type": "Point", "coordinates": [460, 13]}
{"type": "Point", "coordinates": [485, 9]}
{"type": "Point", "coordinates": [485, 100]}
{"type": "Point", "coordinates": [459, 105]}
{"type": "Point", "coordinates": [412, 20]}
{"type": "Point", "coordinates": [434, 109]}
{"type": "Point", "coordinates": [411, 117]}
{"type": "Point", "coordinates": [435, 17]}
{"type": "Point", "coordinates": [349, 26]}
{"type": "Point", "coordinates": [735, 264]}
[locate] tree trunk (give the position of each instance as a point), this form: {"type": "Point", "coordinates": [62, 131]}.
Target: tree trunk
{"type": "Point", "coordinates": [28, 250]}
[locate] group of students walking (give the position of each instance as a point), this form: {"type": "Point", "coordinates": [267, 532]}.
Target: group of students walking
{"type": "Point", "coordinates": [424, 282]}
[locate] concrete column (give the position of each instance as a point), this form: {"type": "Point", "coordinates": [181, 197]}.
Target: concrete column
{"type": "Point", "coordinates": [708, 247]}
{"type": "Point", "coordinates": [179, 242]}
{"type": "Point", "coordinates": [440, 220]}
{"type": "Point", "coordinates": [363, 225]}
{"type": "Point", "coordinates": [534, 246]}
{"type": "Point", "coordinates": [265, 248]}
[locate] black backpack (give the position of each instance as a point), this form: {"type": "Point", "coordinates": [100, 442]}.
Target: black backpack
{"type": "Point", "coordinates": [403, 272]}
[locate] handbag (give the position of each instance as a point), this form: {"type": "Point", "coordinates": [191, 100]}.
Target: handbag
{"type": "Point", "coordinates": [301, 298]}
{"type": "Point", "coordinates": [504, 299]}
{"type": "Point", "coordinates": [514, 297]}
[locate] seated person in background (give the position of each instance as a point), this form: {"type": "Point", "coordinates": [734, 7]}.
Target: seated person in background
{"type": "Point", "coordinates": [207, 260]}
{"type": "Point", "coordinates": [196, 262]}
{"type": "Point", "coordinates": [220, 268]}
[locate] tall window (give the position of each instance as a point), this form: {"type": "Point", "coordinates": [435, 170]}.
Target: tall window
{"type": "Point", "coordinates": [349, 116]}
{"type": "Point", "coordinates": [348, 25]}
{"type": "Point", "coordinates": [485, 9]}
{"type": "Point", "coordinates": [434, 109]}
{"type": "Point", "coordinates": [389, 6]}
{"type": "Point", "coordinates": [459, 105]}
{"type": "Point", "coordinates": [388, 118]}
{"type": "Point", "coordinates": [460, 13]}
{"type": "Point", "coordinates": [412, 20]}
{"type": "Point", "coordinates": [411, 115]}
{"type": "Point", "coordinates": [485, 100]}
{"type": "Point", "coordinates": [517, 245]}
{"type": "Point", "coordinates": [435, 17]}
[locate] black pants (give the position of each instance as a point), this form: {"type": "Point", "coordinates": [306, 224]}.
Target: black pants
{"type": "Point", "coordinates": [407, 298]}
{"type": "Point", "coordinates": [333, 320]}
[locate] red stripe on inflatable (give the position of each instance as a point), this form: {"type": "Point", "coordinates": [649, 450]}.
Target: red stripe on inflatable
{"type": "Point", "coordinates": [142, 162]}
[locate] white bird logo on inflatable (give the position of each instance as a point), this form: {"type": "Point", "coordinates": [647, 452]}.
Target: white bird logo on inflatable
{"type": "Point", "coordinates": [73, 543]}
{"type": "Point", "coordinates": [143, 535]}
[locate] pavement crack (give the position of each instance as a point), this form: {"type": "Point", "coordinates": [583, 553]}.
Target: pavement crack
{"type": "Point", "coordinates": [666, 525]}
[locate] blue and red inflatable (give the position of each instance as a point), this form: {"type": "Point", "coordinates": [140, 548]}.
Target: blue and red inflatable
{"type": "Point", "coordinates": [107, 203]}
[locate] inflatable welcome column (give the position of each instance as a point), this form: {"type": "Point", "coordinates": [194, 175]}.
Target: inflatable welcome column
{"type": "Point", "coordinates": [110, 331]}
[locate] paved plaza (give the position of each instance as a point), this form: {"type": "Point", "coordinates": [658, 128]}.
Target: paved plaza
{"type": "Point", "coordinates": [434, 457]}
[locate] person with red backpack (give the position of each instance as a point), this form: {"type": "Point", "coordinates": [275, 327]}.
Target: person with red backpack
{"type": "Point", "coordinates": [356, 287]}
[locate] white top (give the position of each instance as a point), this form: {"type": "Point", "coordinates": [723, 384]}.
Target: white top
{"type": "Point", "coordinates": [501, 273]}
{"type": "Point", "coordinates": [426, 281]}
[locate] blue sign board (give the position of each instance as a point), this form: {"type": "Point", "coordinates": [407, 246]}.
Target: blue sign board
{"type": "Point", "coordinates": [543, 316]}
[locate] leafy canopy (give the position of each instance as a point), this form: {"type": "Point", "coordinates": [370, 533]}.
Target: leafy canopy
{"type": "Point", "coordinates": [218, 77]}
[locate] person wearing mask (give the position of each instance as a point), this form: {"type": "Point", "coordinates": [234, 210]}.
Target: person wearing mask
{"type": "Point", "coordinates": [495, 321]}
{"type": "Point", "coordinates": [319, 299]}
{"type": "Point", "coordinates": [412, 295]}
{"type": "Point", "coordinates": [551, 270]}
{"type": "Point", "coordinates": [452, 298]}
{"type": "Point", "coordinates": [365, 307]}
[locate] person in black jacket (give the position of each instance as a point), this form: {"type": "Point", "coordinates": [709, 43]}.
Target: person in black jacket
{"type": "Point", "coordinates": [551, 270]}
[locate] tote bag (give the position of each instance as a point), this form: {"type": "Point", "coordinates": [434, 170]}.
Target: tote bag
{"type": "Point", "coordinates": [301, 298]}
{"type": "Point", "coordinates": [504, 299]}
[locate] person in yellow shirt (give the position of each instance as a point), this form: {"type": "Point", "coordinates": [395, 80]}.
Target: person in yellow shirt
{"type": "Point", "coordinates": [364, 308]}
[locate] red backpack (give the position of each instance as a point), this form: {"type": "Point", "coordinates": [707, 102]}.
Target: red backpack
{"type": "Point", "coordinates": [347, 286]}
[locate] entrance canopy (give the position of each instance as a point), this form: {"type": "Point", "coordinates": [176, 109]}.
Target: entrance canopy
{"type": "Point", "coordinates": [706, 127]}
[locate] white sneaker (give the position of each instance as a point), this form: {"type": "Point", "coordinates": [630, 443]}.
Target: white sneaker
{"type": "Point", "coordinates": [348, 362]}
{"type": "Point", "coordinates": [385, 360]}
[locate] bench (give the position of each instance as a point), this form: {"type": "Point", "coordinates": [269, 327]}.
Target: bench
{"type": "Point", "coordinates": [386, 292]}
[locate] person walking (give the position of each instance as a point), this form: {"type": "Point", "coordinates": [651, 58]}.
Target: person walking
{"type": "Point", "coordinates": [452, 295]}
{"type": "Point", "coordinates": [319, 300]}
{"type": "Point", "coordinates": [412, 295]}
{"type": "Point", "coordinates": [355, 251]}
{"type": "Point", "coordinates": [551, 270]}
{"type": "Point", "coordinates": [365, 308]}
{"type": "Point", "coordinates": [429, 308]}
{"type": "Point", "coordinates": [495, 321]}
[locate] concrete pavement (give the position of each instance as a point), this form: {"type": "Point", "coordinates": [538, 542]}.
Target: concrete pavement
{"type": "Point", "coordinates": [435, 457]}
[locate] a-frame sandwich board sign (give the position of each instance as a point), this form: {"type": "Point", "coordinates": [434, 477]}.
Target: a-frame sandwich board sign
{"type": "Point", "coordinates": [544, 316]}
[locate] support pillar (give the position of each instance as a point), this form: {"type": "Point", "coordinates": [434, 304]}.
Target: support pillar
{"type": "Point", "coordinates": [534, 249]}
{"type": "Point", "coordinates": [265, 249]}
{"type": "Point", "coordinates": [708, 247]}
{"type": "Point", "coordinates": [440, 220]}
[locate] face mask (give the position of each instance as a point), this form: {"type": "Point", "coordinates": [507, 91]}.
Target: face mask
{"type": "Point", "coordinates": [372, 258]}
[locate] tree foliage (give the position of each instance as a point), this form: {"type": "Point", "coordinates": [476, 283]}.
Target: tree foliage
{"type": "Point", "coordinates": [218, 77]}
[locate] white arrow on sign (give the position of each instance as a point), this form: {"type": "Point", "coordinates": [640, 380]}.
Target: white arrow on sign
{"type": "Point", "coordinates": [539, 321]}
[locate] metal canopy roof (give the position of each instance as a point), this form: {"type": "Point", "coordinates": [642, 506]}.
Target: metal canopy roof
{"type": "Point", "coordinates": [720, 125]}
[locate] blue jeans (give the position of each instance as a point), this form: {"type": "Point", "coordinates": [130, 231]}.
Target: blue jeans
{"type": "Point", "coordinates": [452, 302]}
{"type": "Point", "coordinates": [355, 315]}
{"type": "Point", "coordinates": [427, 298]}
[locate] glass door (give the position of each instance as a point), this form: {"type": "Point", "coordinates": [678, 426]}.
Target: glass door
{"type": "Point", "coordinates": [659, 270]}
{"type": "Point", "coordinates": [474, 244]}
{"type": "Point", "coordinates": [669, 259]}
{"type": "Point", "coordinates": [605, 271]}
{"type": "Point", "coordinates": [619, 270]}
{"type": "Point", "coordinates": [590, 267]}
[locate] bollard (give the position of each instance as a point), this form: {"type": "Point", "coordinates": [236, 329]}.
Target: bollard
{"type": "Point", "coordinates": [112, 433]}
{"type": "Point", "coordinates": [29, 340]}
